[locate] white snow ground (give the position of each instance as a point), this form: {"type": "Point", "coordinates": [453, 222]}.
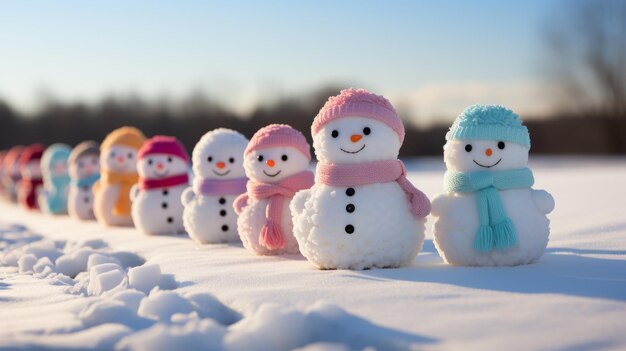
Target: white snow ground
{"type": "Point", "coordinates": [220, 297]}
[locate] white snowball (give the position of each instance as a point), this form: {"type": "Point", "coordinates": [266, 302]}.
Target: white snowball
{"type": "Point", "coordinates": [221, 145]}
{"type": "Point", "coordinates": [458, 159]}
{"type": "Point", "coordinates": [144, 277]}
{"type": "Point", "coordinates": [161, 305]}
{"type": "Point", "coordinates": [26, 263]}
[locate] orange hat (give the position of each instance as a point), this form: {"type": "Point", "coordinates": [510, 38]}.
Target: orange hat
{"type": "Point", "coordinates": [125, 136]}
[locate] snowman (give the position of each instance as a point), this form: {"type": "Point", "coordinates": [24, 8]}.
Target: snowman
{"type": "Point", "coordinates": [31, 182]}
{"type": "Point", "coordinates": [84, 170]}
{"type": "Point", "coordinates": [163, 167]}
{"type": "Point", "coordinates": [118, 165]}
{"type": "Point", "coordinates": [489, 214]}
{"type": "Point", "coordinates": [12, 176]}
{"type": "Point", "coordinates": [53, 196]}
{"type": "Point", "coordinates": [219, 178]}
{"type": "Point", "coordinates": [362, 212]}
{"type": "Point", "coordinates": [276, 160]}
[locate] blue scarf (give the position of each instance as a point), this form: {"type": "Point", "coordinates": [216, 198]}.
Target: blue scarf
{"type": "Point", "coordinates": [86, 181]}
{"type": "Point", "coordinates": [496, 229]}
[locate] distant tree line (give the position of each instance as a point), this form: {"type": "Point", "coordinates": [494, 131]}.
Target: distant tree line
{"type": "Point", "coordinates": [74, 122]}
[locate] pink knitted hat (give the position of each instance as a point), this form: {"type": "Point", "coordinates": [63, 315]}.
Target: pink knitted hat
{"type": "Point", "coordinates": [358, 103]}
{"type": "Point", "coordinates": [278, 135]}
{"type": "Point", "coordinates": [163, 145]}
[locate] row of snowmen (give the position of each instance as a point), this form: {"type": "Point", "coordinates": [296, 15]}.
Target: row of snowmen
{"type": "Point", "coordinates": [357, 211]}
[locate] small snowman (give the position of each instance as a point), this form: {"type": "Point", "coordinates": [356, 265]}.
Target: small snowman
{"type": "Point", "coordinates": [53, 196]}
{"type": "Point", "coordinates": [276, 160]}
{"type": "Point", "coordinates": [11, 176]}
{"type": "Point", "coordinates": [163, 168]}
{"type": "Point", "coordinates": [489, 214]}
{"type": "Point", "coordinates": [84, 170]}
{"type": "Point", "coordinates": [362, 211]}
{"type": "Point", "coordinates": [118, 165]}
{"type": "Point", "coordinates": [219, 178]}
{"type": "Point", "coordinates": [31, 181]}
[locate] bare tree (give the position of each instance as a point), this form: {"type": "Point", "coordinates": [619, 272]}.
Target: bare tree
{"type": "Point", "coordinates": [587, 42]}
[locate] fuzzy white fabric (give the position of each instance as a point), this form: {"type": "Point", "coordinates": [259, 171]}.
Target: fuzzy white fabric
{"type": "Point", "coordinates": [252, 218]}
{"type": "Point", "coordinates": [202, 215]}
{"type": "Point", "coordinates": [153, 209]}
{"type": "Point", "coordinates": [456, 216]}
{"type": "Point", "coordinates": [386, 233]}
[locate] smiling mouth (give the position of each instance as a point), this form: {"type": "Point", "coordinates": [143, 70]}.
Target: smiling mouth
{"type": "Point", "coordinates": [272, 175]}
{"type": "Point", "coordinates": [353, 152]}
{"type": "Point", "coordinates": [161, 175]}
{"type": "Point", "coordinates": [220, 174]}
{"type": "Point", "coordinates": [484, 166]}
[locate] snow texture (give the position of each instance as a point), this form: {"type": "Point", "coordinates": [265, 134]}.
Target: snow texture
{"type": "Point", "coordinates": [574, 297]}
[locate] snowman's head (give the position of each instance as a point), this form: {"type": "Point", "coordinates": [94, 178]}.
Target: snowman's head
{"type": "Point", "coordinates": [357, 126]}
{"type": "Point", "coordinates": [119, 159]}
{"type": "Point", "coordinates": [219, 155]}
{"type": "Point", "coordinates": [85, 166]}
{"type": "Point", "coordinates": [356, 140]}
{"type": "Point", "coordinates": [276, 152]}
{"type": "Point", "coordinates": [487, 138]}
{"type": "Point", "coordinates": [30, 161]}
{"type": "Point", "coordinates": [54, 162]}
{"type": "Point", "coordinates": [159, 166]}
{"type": "Point", "coordinates": [162, 157]}
{"type": "Point", "coordinates": [271, 165]}
{"type": "Point", "coordinates": [84, 160]}
{"type": "Point", "coordinates": [484, 155]}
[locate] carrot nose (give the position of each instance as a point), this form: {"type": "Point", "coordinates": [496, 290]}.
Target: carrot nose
{"type": "Point", "coordinates": [355, 137]}
{"type": "Point", "coordinates": [159, 165]}
{"type": "Point", "coordinates": [220, 165]}
{"type": "Point", "coordinates": [270, 163]}
{"type": "Point", "coordinates": [119, 159]}
{"type": "Point", "coordinates": [488, 152]}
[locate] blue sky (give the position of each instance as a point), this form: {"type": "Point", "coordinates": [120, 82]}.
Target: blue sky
{"type": "Point", "coordinates": [430, 57]}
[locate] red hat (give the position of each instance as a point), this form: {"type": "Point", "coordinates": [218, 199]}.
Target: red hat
{"type": "Point", "coordinates": [31, 153]}
{"type": "Point", "coordinates": [161, 144]}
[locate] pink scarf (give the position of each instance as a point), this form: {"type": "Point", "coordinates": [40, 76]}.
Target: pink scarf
{"type": "Point", "coordinates": [219, 187]}
{"type": "Point", "coordinates": [146, 184]}
{"type": "Point", "coordinates": [272, 236]}
{"type": "Point", "coordinates": [374, 172]}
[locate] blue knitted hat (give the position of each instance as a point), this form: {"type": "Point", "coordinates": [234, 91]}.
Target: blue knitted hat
{"type": "Point", "coordinates": [489, 122]}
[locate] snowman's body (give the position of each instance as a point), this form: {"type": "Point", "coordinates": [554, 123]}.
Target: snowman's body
{"type": "Point", "coordinates": [385, 234]}
{"type": "Point", "coordinates": [498, 150]}
{"type": "Point", "coordinates": [211, 218]}
{"type": "Point", "coordinates": [104, 203]}
{"type": "Point", "coordinates": [456, 224]}
{"type": "Point", "coordinates": [251, 221]}
{"type": "Point", "coordinates": [218, 158]}
{"type": "Point", "coordinates": [80, 202]}
{"type": "Point", "coordinates": [357, 227]}
{"type": "Point", "coordinates": [159, 211]}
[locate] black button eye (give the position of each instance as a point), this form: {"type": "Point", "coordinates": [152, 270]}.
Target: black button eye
{"type": "Point", "coordinates": [80, 165]}
{"type": "Point", "coordinates": [149, 161]}
{"type": "Point", "coordinates": [501, 145]}
{"type": "Point", "coordinates": [334, 133]}
{"type": "Point", "coordinates": [284, 158]}
{"type": "Point", "coordinates": [468, 148]}
{"type": "Point", "coordinates": [169, 159]}
{"type": "Point", "coordinates": [260, 158]}
{"type": "Point", "coordinates": [367, 130]}
{"type": "Point", "coordinates": [210, 159]}
{"type": "Point", "coordinates": [113, 154]}
{"type": "Point", "coordinates": [130, 155]}
{"type": "Point", "coordinates": [231, 160]}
